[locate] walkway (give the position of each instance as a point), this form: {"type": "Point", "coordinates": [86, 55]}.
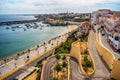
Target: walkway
{"type": "Point", "coordinates": [101, 72]}
{"type": "Point", "coordinates": [107, 45]}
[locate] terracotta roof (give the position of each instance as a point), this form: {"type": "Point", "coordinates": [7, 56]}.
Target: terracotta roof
{"type": "Point", "coordinates": [118, 27]}
{"type": "Point", "coordinates": [112, 32]}
{"type": "Point", "coordinates": [107, 26]}
{"type": "Point", "coordinates": [86, 24]}
{"type": "Point", "coordinates": [101, 23]}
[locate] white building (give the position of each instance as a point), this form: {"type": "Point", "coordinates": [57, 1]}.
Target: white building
{"type": "Point", "coordinates": [110, 23]}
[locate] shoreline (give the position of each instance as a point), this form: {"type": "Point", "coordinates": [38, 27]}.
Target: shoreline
{"type": "Point", "coordinates": [18, 54]}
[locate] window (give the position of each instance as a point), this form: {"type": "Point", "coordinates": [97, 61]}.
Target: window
{"type": "Point", "coordinates": [117, 38]}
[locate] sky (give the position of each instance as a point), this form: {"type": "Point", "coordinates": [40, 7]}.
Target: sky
{"type": "Point", "coordinates": [55, 6]}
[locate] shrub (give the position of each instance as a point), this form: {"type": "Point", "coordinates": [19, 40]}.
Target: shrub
{"type": "Point", "coordinates": [58, 56]}
{"type": "Point", "coordinates": [64, 64]}
{"type": "Point", "coordinates": [58, 67]}
{"type": "Point", "coordinates": [55, 78]}
{"type": "Point", "coordinates": [64, 57]}
{"type": "Point", "coordinates": [86, 51]}
{"type": "Point", "coordinates": [88, 63]}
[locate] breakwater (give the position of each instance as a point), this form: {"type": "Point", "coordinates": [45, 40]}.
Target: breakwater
{"type": "Point", "coordinates": [17, 22]}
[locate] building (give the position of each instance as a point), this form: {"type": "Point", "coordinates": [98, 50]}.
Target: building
{"type": "Point", "coordinates": [109, 23]}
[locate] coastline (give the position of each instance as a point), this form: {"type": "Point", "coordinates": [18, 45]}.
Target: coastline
{"type": "Point", "coordinates": [21, 53]}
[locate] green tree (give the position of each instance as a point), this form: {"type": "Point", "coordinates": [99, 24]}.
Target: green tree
{"type": "Point", "coordinates": [64, 64]}
{"type": "Point", "coordinates": [55, 78]}
{"type": "Point", "coordinates": [58, 67]}
{"type": "Point", "coordinates": [86, 51]}
{"type": "Point", "coordinates": [58, 56]}
{"type": "Point", "coordinates": [88, 63]}
{"type": "Point", "coordinates": [64, 57]}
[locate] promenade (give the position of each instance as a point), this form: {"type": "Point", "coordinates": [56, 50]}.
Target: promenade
{"type": "Point", "coordinates": [32, 54]}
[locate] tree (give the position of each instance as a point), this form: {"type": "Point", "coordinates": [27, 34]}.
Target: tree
{"type": "Point", "coordinates": [37, 48]}
{"type": "Point", "coordinates": [27, 57]}
{"type": "Point", "coordinates": [5, 61]}
{"type": "Point", "coordinates": [58, 56]}
{"type": "Point", "coordinates": [64, 64]}
{"type": "Point", "coordinates": [28, 50]}
{"type": "Point", "coordinates": [86, 51]}
{"type": "Point", "coordinates": [55, 78]}
{"type": "Point", "coordinates": [64, 57]}
{"type": "Point", "coordinates": [58, 67]}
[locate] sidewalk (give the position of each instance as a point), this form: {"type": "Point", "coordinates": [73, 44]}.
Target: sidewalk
{"type": "Point", "coordinates": [104, 42]}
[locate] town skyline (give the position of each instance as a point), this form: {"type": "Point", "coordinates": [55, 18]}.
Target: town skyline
{"type": "Point", "coordinates": [55, 6]}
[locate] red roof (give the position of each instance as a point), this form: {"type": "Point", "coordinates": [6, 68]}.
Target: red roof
{"type": "Point", "coordinates": [112, 32]}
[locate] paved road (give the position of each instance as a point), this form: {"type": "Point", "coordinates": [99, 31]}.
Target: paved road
{"type": "Point", "coordinates": [23, 69]}
{"type": "Point", "coordinates": [101, 72]}
{"type": "Point", "coordinates": [107, 45]}
{"type": "Point", "coordinates": [47, 70]}
{"type": "Point", "coordinates": [75, 70]}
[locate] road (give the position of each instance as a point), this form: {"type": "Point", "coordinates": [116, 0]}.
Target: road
{"type": "Point", "coordinates": [107, 45]}
{"type": "Point", "coordinates": [101, 72]}
{"type": "Point", "coordinates": [23, 69]}
{"type": "Point", "coordinates": [47, 70]}
{"type": "Point", "coordinates": [75, 70]}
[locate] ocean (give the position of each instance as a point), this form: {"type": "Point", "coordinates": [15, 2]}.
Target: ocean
{"type": "Point", "coordinates": [6, 18]}
{"type": "Point", "coordinates": [14, 40]}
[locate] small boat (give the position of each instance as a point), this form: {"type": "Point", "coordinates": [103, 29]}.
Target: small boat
{"type": "Point", "coordinates": [40, 28]}
{"type": "Point", "coordinates": [24, 29]}
{"type": "Point", "coordinates": [7, 28]}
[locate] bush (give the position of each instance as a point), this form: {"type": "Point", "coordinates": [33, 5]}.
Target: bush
{"type": "Point", "coordinates": [58, 67]}
{"type": "Point", "coordinates": [64, 57]}
{"type": "Point", "coordinates": [66, 46]}
{"type": "Point", "coordinates": [55, 78]}
{"type": "Point", "coordinates": [58, 56]}
{"type": "Point", "coordinates": [86, 51]}
{"type": "Point", "coordinates": [64, 64]}
{"type": "Point", "coordinates": [88, 63]}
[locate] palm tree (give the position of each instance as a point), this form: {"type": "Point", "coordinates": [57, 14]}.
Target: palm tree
{"type": "Point", "coordinates": [5, 61]}
{"type": "Point", "coordinates": [15, 64]}
{"type": "Point", "coordinates": [28, 54]}
{"type": "Point", "coordinates": [37, 48]}
{"type": "Point", "coordinates": [27, 57]}
{"type": "Point", "coordinates": [44, 46]}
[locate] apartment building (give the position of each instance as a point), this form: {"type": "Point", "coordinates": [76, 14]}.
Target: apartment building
{"type": "Point", "coordinates": [110, 24]}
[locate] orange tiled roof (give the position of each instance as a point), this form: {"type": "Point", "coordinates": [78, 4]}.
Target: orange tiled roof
{"type": "Point", "coordinates": [100, 23]}
{"type": "Point", "coordinates": [112, 32]}
{"type": "Point", "coordinates": [118, 27]}
{"type": "Point", "coordinates": [86, 24]}
{"type": "Point", "coordinates": [107, 26]}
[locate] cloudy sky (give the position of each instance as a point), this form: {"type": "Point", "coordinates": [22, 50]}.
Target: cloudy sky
{"type": "Point", "coordinates": [55, 6]}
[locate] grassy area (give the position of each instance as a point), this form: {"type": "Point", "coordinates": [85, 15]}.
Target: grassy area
{"type": "Point", "coordinates": [66, 46]}
{"type": "Point", "coordinates": [84, 37]}
{"type": "Point", "coordinates": [81, 20]}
